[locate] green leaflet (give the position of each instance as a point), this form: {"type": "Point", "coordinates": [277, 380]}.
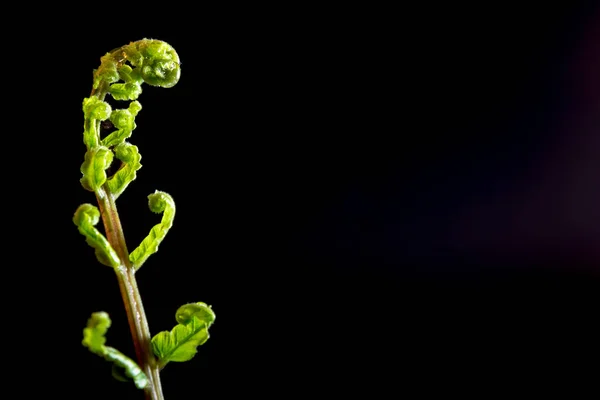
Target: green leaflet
{"type": "Point", "coordinates": [159, 202]}
{"type": "Point", "coordinates": [125, 91]}
{"type": "Point", "coordinates": [95, 332]}
{"type": "Point", "coordinates": [94, 110]}
{"type": "Point", "coordinates": [85, 218]}
{"type": "Point", "coordinates": [130, 157]}
{"type": "Point", "coordinates": [181, 343]}
{"type": "Point", "coordinates": [94, 338]}
{"type": "Point", "coordinates": [124, 121]}
{"type": "Point", "coordinates": [201, 310]}
{"type": "Point", "coordinates": [94, 166]}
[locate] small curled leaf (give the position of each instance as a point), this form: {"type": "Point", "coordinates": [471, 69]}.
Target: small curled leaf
{"type": "Point", "coordinates": [130, 75]}
{"type": "Point", "coordinates": [163, 73]}
{"type": "Point", "coordinates": [200, 310]}
{"type": "Point", "coordinates": [86, 217]}
{"type": "Point", "coordinates": [95, 331]}
{"type": "Point", "coordinates": [125, 91]}
{"type": "Point", "coordinates": [94, 166]}
{"type": "Point", "coordinates": [130, 157]}
{"type": "Point", "coordinates": [94, 110]}
{"type": "Point", "coordinates": [181, 343]}
{"type": "Point", "coordinates": [124, 121]}
{"type": "Point", "coordinates": [94, 338]}
{"type": "Point", "coordinates": [159, 202]}
{"type": "Point", "coordinates": [161, 66]}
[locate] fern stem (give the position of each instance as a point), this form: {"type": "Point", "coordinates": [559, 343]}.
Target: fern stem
{"type": "Point", "coordinates": [130, 293]}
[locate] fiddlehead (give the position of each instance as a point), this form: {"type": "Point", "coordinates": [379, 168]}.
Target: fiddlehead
{"type": "Point", "coordinates": [151, 61]}
{"type": "Point", "coordinates": [121, 74]}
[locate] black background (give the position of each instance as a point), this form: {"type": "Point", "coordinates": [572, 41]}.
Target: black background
{"type": "Point", "coordinates": [371, 199]}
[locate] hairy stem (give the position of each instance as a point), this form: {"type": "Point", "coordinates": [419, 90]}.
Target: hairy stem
{"type": "Point", "coordinates": [134, 307]}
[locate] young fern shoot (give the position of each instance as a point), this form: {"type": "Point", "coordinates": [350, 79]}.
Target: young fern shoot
{"type": "Point", "coordinates": [121, 75]}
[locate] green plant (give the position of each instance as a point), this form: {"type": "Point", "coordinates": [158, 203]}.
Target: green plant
{"type": "Point", "coordinates": [121, 75]}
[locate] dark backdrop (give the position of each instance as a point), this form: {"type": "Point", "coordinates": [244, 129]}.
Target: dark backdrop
{"type": "Point", "coordinates": [381, 200]}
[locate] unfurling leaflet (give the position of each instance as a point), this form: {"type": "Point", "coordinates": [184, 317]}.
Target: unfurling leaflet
{"type": "Point", "coordinates": [181, 343]}
{"type": "Point", "coordinates": [86, 217]}
{"type": "Point", "coordinates": [158, 202]}
{"type": "Point", "coordinates": [201, 310]}
{"type": "Point", "coordinates": [130, 162]}
{"type": "Point", "coordinates": [124, 121]}
{"type": "Point", "coordinates": [94, 337]}
{"type": "Point", "coordinates": [94, 111]}
{"type": "Point", "coordinates": [94, 166]}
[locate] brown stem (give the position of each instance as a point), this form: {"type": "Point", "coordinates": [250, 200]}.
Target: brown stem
{"type": "Point", "coordinates": [131, 295]}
